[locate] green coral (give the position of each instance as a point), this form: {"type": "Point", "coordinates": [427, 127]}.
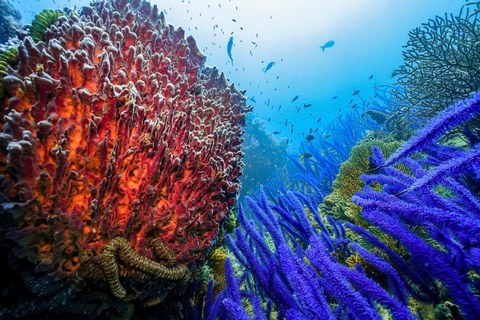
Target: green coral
{"type": "Point", "coordinates": [8, 58]}
{"type": "Point", "coordinates": [348, 181]}
{"type": "Point", "coordinates": [42, 22]}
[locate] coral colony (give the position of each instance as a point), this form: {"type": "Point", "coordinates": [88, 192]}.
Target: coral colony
{"type": "Point", "coordinates": [120, 156]}
{"type": "Point", "coordinates": [419, 258]}
{"type": "Point", "coordinates": [119, 165]}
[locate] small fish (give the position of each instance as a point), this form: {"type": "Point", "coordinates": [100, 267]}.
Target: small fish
{"type": "Point", "coordinates": [309, 137]}
{"type": "Point", "coordinates": [286, 121]}
{"type": "Point", "coordinates": [269, 66]}
{"type": "Point", "coordinates": [268, 120]}
{"type": "Point", "coordinates": [229, 49]}
{"type": "Point", "coordinates": [252, 99]}
{"type": "Point", "coordinates": [306, 156]}
{"type": "Point", "coordinates": [335, 97]}
{"type": "Point", "coordinates": [370, 77]}
{"type": "Point", "coordinates": [319, 120]}
{"type": "Point", "coordinates": [326, 137]}
{"type": "Point", "coordinates": [355, 93]}
{"type": "Point", "coordinates": [307, 105]}
{"type": "Point", "coordinates": [276, 132]}
{"type": "Point", "coordinates": [296, 97]}
{"type": "Point", "coordinates": [280, 107]}
{"type": "Point", "coordinates": [234, 20]}
{"type": "Point", "coordinates": [329, 44]}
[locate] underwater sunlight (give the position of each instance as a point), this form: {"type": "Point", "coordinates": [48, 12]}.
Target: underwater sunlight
{"type": "Point", "coordinates": [229, 159]}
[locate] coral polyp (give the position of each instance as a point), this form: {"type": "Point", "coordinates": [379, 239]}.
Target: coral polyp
{"type": "Point", "coordinates": [120, 150]}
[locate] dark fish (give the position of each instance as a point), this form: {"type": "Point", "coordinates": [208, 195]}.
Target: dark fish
{"type": "Point", "coordinates": [329, 44]}
{"type": "Point", "coordinates": [351, 100]}
{"type": "Point", "coordinates": [377, 116]}
{"type": "Point", "coordinates": [234, 20]}
{"type": "Point", "coordinates": [307, 105]}
{"type": "Point", "coordinates": [335, 97]}
{"type": "Point", "coordinates": [296, 97]}
{"type": "Point", "coordinates": [355, 93]}
{"type": "Point", "coordinates": [309, 137]}
{"type": "Point", "coordinates": [280, 107]}
{"type": "Point", "coordinates": [286, 121]}
{"type": "Point", "coordinates": [269, 66]}
{"type": "Point", "coordinates": [327, 136]}
{"type": "Point", "coordinates": [319, 119]}
{"type": "Point", "coordinates": [268, 120]}
{"type": "Point", "coordinates": [276, 132]}
{"type": "Point", "coordinates": [252, 99]}
{"type": "Point", "coordinates": [306, 156]}
{"type": "Point", "coordinates": [370, 77]}
{"type": "Point", "coordinates": [229, 48]}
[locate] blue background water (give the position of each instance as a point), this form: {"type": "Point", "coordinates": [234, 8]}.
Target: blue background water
{"type": "Point", "coordinates": [368, 35]}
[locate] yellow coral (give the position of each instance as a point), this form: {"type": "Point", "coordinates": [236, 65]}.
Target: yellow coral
{"type": "Point", "coordinates": [348, 181]}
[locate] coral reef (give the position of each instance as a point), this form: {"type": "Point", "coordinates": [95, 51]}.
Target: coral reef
{"type": "Point", "coordinates": [42, 22]}
{"type": "Point", "coordinates": [441, 66]}
{"type": "Point", "coordinates": [348, 180]}
{"type": "Point", "coordinates": [263, 157]}
{"type": "Point", "coordinates": [448, 251]}
{"type": "Point", "coordinates": [120, 156]}
{"type": "Point", "coordinates": [422, 199]}
{"type": "Point", "coordinates": [9, 21]}
{"type": "Point", "coordinates": [332, 147]}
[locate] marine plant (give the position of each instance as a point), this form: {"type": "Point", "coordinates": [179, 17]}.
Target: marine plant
{"type": "Point", "coordinates": [450, 250]}
{"type": "Point", "coordinates": [441, 65]}
{"type": "Point", "coordinates": [315, 174]}
{"type": "Point", "coordinates": [119, 160]}
{"type": "Point", "coordinates": [317, 266]}
{"type": "Point", "coordinates": [348, 181]}
{"type": "Point", "coordinates": [302, 275]}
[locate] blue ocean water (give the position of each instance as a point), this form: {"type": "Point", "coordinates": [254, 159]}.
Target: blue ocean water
{"type": "Point", "coordinates": [368, 37]}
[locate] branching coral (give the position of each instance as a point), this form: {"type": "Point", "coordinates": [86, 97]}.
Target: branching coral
{"type": "Point", "coordinates": [441, 65]}
{"type": "Point", "coordinates": [448, 249]}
